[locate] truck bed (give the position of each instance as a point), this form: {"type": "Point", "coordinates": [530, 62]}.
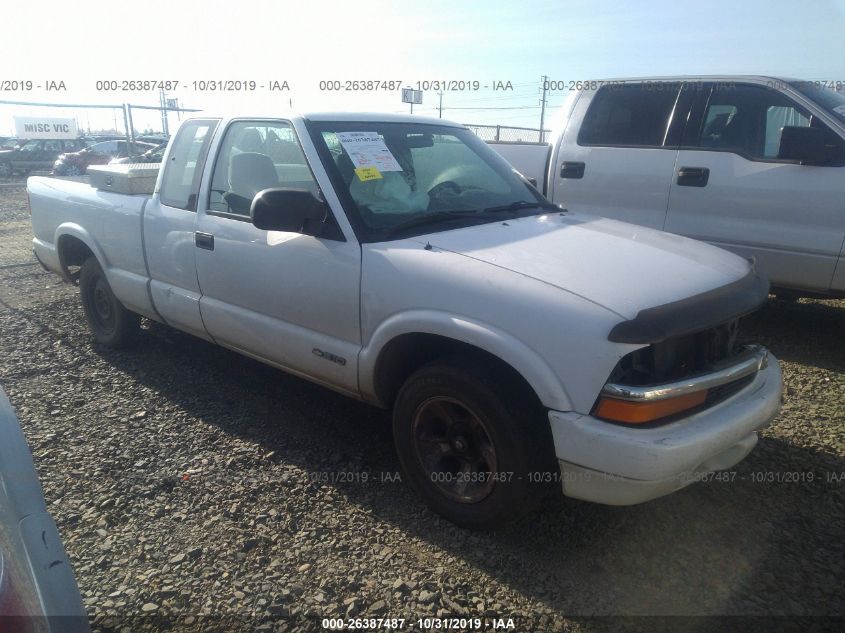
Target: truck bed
{"type": "Point", "coordinates": [109, 224]}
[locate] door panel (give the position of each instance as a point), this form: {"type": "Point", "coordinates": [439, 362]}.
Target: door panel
{"type": "Point", "coordinates": [169, 243]}
{"type": "Point", "coordinates": [286, 298]}
{"type": "Point", "coordinates": [788, 216]}
{"type": "Point", "coordinates": [614, 160]}
{"type": "Point", "coordinates": [281, 296]}
{"type": "Point", "coordinates": [791, 218]}
{"type": "Point", "coordinates": [169, 225]}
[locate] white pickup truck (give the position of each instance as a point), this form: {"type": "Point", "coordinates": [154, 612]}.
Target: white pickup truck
{"type": "Point", "coordinates": [523, 349]}
{"type": "Point", "coordinates": [755, 165]}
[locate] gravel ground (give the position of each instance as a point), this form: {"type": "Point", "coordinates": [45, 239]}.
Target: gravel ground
{"type": "Point", "coordinates": [199, 489]}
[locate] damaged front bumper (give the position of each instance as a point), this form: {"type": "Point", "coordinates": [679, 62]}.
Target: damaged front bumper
{"type": "Point", "coordinates": [623, 465]}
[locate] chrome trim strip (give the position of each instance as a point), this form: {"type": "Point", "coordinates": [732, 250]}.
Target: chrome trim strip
{"type": "Point", "coordinates": [758, 359]}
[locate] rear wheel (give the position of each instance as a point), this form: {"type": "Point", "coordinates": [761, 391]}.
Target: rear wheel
{"type": "Point", "coordinates": [110, 322]}
{"type": "Point", "coordinates": [472, 444]}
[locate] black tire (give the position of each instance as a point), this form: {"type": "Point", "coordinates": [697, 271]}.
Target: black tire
{"type": "Point", "coordinates": [455, 417]}
{"type": "Point", "coordinates": [6, 170]}
{"type": "Point", "coordinates": [110, 323]}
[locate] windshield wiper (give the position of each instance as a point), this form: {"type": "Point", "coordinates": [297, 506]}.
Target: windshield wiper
{"type": "Point", "coordinates": [522, 204]}
{"type": "Point", "coordinates": [429, 218]}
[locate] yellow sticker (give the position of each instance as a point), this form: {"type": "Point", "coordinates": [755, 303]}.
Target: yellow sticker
{"type": "Point", "coordinates": [368, 173]}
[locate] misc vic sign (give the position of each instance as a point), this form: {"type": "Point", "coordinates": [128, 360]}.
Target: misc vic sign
{"type": "Point", "coordinates": [45, 127]}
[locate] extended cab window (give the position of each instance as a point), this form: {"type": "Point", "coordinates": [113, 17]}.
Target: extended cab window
{"type": "Point", "coordinates": [629, 115]}
{"type": "Point", "coordinates": [748, 120]}
{"type": "Point", "coordinates": [257, 155]}
{"type": "Point", "coordinates": [182, 173]}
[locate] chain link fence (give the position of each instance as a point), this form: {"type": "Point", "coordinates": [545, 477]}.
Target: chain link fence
{"type": "Point", "coordinates": [509, 134]}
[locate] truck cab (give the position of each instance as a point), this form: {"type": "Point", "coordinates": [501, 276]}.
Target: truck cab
{"type": "Point", "coordinates": [755, 165]}
{"type": "Point", "coordinates": [400, 261]}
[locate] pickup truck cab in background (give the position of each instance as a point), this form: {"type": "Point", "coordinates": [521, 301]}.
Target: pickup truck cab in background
{"type": "Point", "coordinates": [755, 165]}
{"type": "Point", "coordinates": [399, 260]}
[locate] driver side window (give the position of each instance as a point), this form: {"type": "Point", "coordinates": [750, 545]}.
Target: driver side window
{"type": "Point", "coordinates": [256, 155]}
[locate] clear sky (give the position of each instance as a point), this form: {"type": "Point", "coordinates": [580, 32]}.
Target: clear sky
{"type": "Point", "coordinates": [304, 43]}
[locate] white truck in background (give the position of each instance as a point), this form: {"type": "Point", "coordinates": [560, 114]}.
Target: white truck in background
{"type": "Point", "coordinates": [401, 261]}
{"type": "Point", "coordinates": [755, 165]}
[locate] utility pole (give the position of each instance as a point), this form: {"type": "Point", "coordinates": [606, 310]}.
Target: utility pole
{"type": "Point", "coordinates": [440, 107]}
{"type": "Point", "coordinates": [543, 105]}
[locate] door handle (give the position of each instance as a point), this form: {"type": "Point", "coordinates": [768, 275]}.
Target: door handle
{"type": "Point", "coordinates": [204, 240]}
{"type": "Point", "coordinates": [693, 176]}
{"type": "Point", "coordinates": [572, 170]}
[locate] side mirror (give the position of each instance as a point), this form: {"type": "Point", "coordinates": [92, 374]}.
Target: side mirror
{"type": "Point", "coordinates": [293, 210]}
{"type": "Point", "coordinates": [803, 144]}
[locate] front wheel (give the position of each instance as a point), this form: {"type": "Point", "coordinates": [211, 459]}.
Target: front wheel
{"type": "Point", "coordinates": [472, 444]}
{"type": "Point", "coordinates": [110, 322]}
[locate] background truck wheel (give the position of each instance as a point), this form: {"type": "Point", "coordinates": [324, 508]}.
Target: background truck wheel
{"type": "Point", "coordinates": [471, 444]}
{"type": "Point", "coordinates": [110, 323]}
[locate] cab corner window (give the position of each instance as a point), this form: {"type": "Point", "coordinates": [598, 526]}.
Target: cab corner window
{"type": "Point", "coordinates": [183, 171]}
{"type": "Point", "coordinates": [629, 115]}
{"type": "Point", "coordinates": [257, 155]}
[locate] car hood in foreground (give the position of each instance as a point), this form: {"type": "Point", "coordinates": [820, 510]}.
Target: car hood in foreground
{"type": "Point", "coordinates": [623, 267]}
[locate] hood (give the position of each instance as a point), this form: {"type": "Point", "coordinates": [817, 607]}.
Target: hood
{"type": "Point", "coordinates": [623, 267]}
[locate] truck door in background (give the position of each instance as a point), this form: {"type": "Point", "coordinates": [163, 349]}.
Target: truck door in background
{"type": "Point", "coordinates": [617, 155]}
{"type": "Point", "coordinates": [731, 189]}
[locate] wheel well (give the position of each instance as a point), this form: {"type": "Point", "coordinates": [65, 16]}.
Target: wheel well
{"type": "Point", "coordinates": [72, 252]}
{"type": "Point", "coordinates": [406, 353]}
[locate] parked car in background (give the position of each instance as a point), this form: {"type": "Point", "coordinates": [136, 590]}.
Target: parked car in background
{"type": "Point", "coordinates": [399, 260]}
{"type": "Point", "coordinates": [76, 163]}
{"type": "Point", "coordinates": [38, 591]}
{"type": "Point", "coordinates": [37, 154]}
{"type": "Point", "coordinates": [155, 139]}
{"type": "Point", "coordinates": [154, 155]}
{"type": "Point", "coordinates": [755, 165]}
{"type": "Point", "coordinates": [10, 142]}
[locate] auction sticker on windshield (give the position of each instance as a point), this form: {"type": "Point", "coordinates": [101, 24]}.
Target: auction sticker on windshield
{"type": "Point", "coordinates": [367, 149]}
{"type": "Point", "coordinates": [367, 173]}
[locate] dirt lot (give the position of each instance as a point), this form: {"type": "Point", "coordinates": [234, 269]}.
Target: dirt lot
{"type": "Point", "coordinates": [192, 485]}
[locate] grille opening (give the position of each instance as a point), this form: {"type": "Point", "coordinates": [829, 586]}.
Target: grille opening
{"type": "Point", "coordinates": [677, 358]}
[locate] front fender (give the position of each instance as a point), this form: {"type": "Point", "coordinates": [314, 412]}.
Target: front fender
{"type": "Point", "coordinates": [503, 345]}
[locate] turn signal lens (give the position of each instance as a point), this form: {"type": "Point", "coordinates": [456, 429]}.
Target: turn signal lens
{"type": "Point", "coordinates": [644, 412]}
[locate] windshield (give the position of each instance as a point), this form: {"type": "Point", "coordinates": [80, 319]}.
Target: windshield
{"type": "Point", "coordinates": [833, 101]}
{"type": "Point", "coordinates": [419, 177]}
